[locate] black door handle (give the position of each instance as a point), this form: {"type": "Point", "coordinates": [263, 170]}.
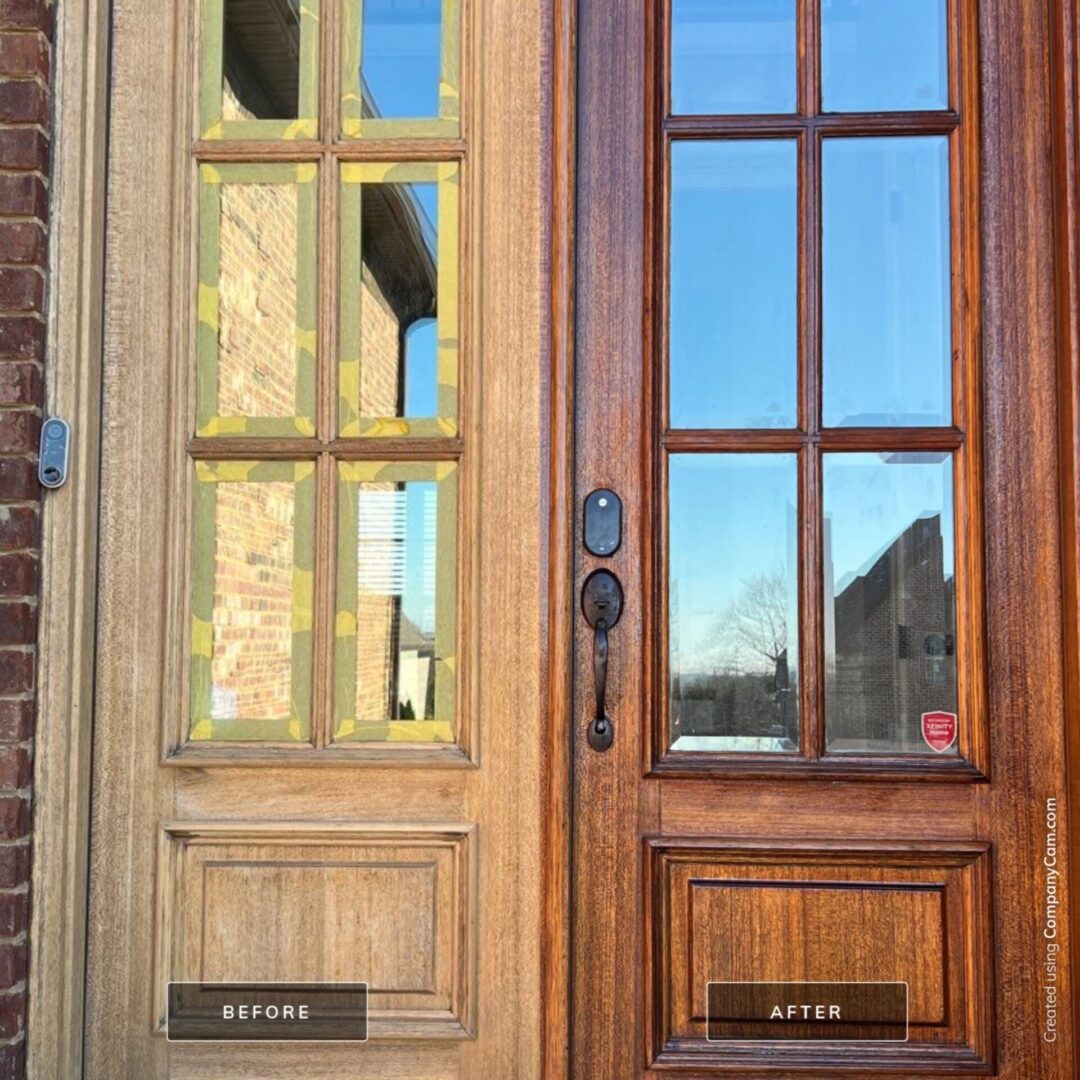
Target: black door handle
{"type": "Point", "coordinates": [601, 603]}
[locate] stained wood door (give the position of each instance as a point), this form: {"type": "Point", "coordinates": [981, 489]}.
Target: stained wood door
{"type": "Point", "coordinates": [307, 732]}
{"type": "Point", "coordinates": [816, 362]}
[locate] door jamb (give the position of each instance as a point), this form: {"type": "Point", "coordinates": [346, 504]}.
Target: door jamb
{"type": "Point", "coordinates": [65, 675]}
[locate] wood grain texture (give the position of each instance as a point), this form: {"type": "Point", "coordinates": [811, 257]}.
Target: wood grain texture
{"type": "Point", "coordinates": [69, 549]}
{"type": "Point", "coordinates": [606, 891]}
{"type": "Point", "coordinates": [559, 491]}
{"type": "Point", "coordinates": [1066, 85]}
{"type": "Point", "coordinates": [1007, 315]}
{"type": "Point", "coordinates": [822, 912]}
{"type": "Point", "coordinates": [483, 936]}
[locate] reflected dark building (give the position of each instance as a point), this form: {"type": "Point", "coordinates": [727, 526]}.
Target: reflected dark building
{"type": "Point", "coordinates": [261, 59]}
{"type": "Point", "coordinates": [894, 654]}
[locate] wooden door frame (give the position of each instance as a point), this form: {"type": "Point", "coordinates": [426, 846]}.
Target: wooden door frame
{"type": "Point", "coordinates": [66, 669]}
{"type": "Point", "coordinates": [65, 676]}
{"type": "Point", "coordinates": [1062, 42]}
{"type": "Point", "coordinates": [69, 527]}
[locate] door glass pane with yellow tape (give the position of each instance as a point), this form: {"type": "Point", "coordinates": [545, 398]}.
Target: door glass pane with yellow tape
{"type": "Point", "coordinates": [260, 69]}
{"type": "Point", "coordinates": [257, 295]}
{"type": "Point", "coordinates": [398, 304]}
{"type": "Point", "coordinates": [395, 664]}
{"type": "Point", "coordinates": [252, 601]}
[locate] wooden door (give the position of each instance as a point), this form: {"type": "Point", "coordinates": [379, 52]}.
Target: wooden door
{"type": "Point", "coordinates": [318, 689]}
{"type": "Point", "coordinates": [816, 362]}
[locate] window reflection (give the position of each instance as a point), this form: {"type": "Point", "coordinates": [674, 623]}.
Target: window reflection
{"type": "Point", "coordinates": [890, 588]}
{"type": "Point", "coordinates": [398, 299]}
{"type": "Point", "coordinates": [400, 58]}
{"type": "Point", "coordinates": [396, 602]}
{"type": "Point", "coordinates": [395, 611]}
{"type": "Point", "coordinates": [732, 602]}
{"type": "Point", "coordinates": [251, 613]}
{"type": "Point", "coordinates": [886, 282]}
{"type": "Point", "coordinates": [733, 283]}
{"type": "Point", "coordinates": [261, 60]}
{"type": "Point", "coordinates": [257, 312]}
{"type": "Point", "coordinates": [884, 55]}
{"type": "Point", "coordinates": [730, 56]}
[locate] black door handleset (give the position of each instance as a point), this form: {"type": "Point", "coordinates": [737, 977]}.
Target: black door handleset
{"type": "Point", "coordinates": [601, 603]}
{"type": "Point", "coordinates": [601, 599]}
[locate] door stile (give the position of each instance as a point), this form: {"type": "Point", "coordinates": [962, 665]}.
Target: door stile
{"type": "Point", "coordinates": [606, 883]}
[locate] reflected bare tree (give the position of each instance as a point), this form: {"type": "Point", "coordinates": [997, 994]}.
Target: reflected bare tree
{"type": "Point", "coordinates": [755, 623]}
{"type": "Point", "coordinates": [745, 689]}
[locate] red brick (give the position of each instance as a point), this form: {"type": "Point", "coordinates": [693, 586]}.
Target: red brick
{"type": "Point", "coordinates": [13, 912]}
{"type": "Point", "coordinates": [12, 1014]}
{"type": "Point", "coordinates": [23, 101]}
{"type": "Point", "coordinates": [13, 1060]}
{"type": "Point", "coordinates": [21, 289]}
{"type": "Point", "coordinates": [18, 574]}
{"type": "Point", "coordinates": [18, 623]}
{"type": "Point", "coordinates": [22, 242]}
{"type": "Point", "coordinates": [18, 480]}
{"type": "Point", "coordinates": [24, 54]}
{"type": "Point", "coordinates": [20, 431]}
{"type": "Point", "coordinates": [14, 816]}
{"type": "Point", "coordinates": [16, 720]}
{"type": "Point", "coordinates": [22, 337]}
{"type": "Point", "coordinates": [23, 194]}
{"type": "Point", "coordinates": [14, 865]}
{"type": "Point", "coordinates": [20, 384]}
{"type": "Point", "coordinates": [15, 770]}
{"type": "Point", "coordinates": [24, 148]}
{"type": "Point", "coordinates": [16, 671]}
{"type": "Point", "coordinates": [20, 527]}
{"type": "Point", "coordinates": [27, 15]}
{"type": "Point", "coordinates": [12, 963]}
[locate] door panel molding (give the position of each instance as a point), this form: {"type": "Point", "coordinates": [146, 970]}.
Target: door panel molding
{"type": "Point", "coordinates": [927, 899]}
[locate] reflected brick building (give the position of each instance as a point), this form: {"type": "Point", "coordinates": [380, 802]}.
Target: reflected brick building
{"type": "Point", "coordinates": [894, 654]}
{"type": "Point", "coordinates": [257, 377]}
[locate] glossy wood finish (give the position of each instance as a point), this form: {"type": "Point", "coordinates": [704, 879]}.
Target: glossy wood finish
{"type": "Point", "coordinates": [1007, 413]}
{"type": "Point", "coordinates": [1066, 85]}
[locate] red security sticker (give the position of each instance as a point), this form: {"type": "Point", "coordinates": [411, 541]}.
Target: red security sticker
{"type": "Point", "coordinates": [939, 730]}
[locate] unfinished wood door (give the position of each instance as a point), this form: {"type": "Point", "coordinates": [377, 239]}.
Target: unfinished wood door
{"type": "Point", "coordinates": [318, 686]}
{"type": "Point", "coordinates": [816, 362]}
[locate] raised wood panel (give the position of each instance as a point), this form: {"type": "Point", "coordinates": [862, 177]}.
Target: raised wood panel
{"type": "Point", "coordinates": [388, 906]}
{"type": "Point", "coordinates": [827, 911]}
{"type": "Point", "coordinates": [811, 931]}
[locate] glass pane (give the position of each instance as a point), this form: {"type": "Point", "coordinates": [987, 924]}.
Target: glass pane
{"type": "Point", "coordinates": [890, 612]}
{"type": "Point", "coordinates": [252, 600]}
{"type": "Point", "coordinates": [257, 300]}
{"type": "Point", "coordinates": [399, 300]}
{"type": "Point", "coordinates": [733, 602]}
{"type": "Point", "coordinates": [401, 61]}
{"type": "Point", "coordinates": [397, 596]}
{"type": "Point", "coordinates": [260, 69]}
{"type": "Point", "coordinates": [884, 55]}
{"type": "Point", "coordinates": [733, 276]}
{"type": "Point", "coordinates": [886, 293]}
{"type": "Point", "coordinates": [730, 56]}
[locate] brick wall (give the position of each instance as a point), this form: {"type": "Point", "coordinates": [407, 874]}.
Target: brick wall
{"type": "Point", "coordinates": [25, 43]}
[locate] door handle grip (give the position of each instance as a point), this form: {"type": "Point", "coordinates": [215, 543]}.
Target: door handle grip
{"type": "Point", "coordinates": [599, 663]}
{"type": "Point", "coordinates": [601, 603]}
